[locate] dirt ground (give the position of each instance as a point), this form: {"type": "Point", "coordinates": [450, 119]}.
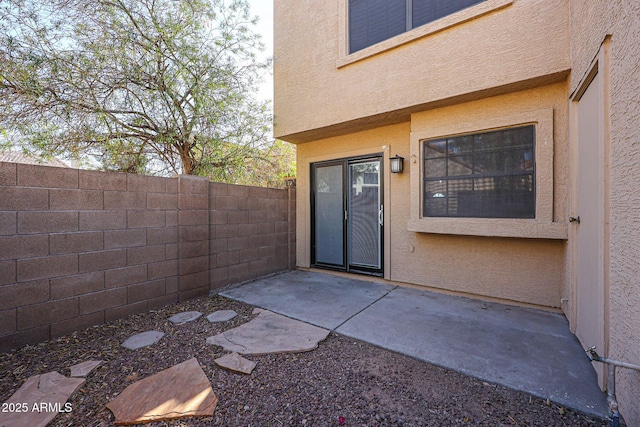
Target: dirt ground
{"type": "Point", "coordinates": [342, 382]}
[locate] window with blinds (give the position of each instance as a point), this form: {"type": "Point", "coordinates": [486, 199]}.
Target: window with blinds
{"type": "Point", "coordinates": [482, 175]}
{"type": "Point", "coordinates": [372, 21]}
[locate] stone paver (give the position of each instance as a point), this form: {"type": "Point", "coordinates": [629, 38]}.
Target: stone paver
{"type": "Point", "coordinates": [142, 339]}
{"type": "Point", "coordinates": [270, 333]}
{"type": "Point", "coordinates": [39, 400]}
{"type": "Point", "coordinates": [187, 316]}
{"type": "Point", "coordinates": [235, 362]}
{"type": "Point", "coordinates": [180, 391]}
{"type": "Point", "coordinates": [83, 369]}
{"type": "Point", "coordinates": [221, 316]}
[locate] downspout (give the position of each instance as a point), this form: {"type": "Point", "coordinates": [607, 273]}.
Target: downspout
{"type": "Point", "coordinates": [614, 415]}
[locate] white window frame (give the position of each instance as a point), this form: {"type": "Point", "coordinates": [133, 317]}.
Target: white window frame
{"type": "Point", "coordinates": [345, 58]}
{"type": "Point", "coordinates": [540, 227]}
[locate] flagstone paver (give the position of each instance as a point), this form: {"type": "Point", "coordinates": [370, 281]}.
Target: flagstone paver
{"type": "Point", "coordinates": [187, 316]}
{"type": "Point", "coordinates": [221, 316]}
{"type": "Point", "coordinates": [83, 369]}
{"type": "Point", "coordinates": [270, 333]}
{"type": "Point", "coordinates": [39, 400]}
{"type": "Point", "coordinates": [180, 391]}
{"type": "Point", "coordinates": [142, 339]}
{"type": "Point", "coordinates": [235, 362]}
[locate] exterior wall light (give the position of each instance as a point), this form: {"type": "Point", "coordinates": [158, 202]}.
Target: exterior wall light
{"type": "Point", "coordinates": [397, 164]}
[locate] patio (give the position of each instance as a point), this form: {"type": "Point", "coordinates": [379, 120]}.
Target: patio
{"type": "Point", "coordinates": [520, 348]}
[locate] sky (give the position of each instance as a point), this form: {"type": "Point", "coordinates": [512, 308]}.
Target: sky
{"type": "Point", "coordinates": [264, 10]}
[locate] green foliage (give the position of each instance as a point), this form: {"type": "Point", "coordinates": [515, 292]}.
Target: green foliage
{"type": "Point", "coordinates": [265, 167]}
{"type": "Point", "coordinates": [139, 85]}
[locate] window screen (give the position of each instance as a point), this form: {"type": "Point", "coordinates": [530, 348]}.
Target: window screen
{"type": "Point", "coordinates": [484, 175]}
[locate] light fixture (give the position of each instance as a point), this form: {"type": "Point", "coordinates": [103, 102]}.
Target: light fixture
{"type": "Point", "coordinates": [397, 164]}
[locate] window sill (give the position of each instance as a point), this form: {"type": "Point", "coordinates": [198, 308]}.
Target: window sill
{"type": "Point", "coordinates": [491, 227]}
{"type": "Point", "coordinates": [464, 15]}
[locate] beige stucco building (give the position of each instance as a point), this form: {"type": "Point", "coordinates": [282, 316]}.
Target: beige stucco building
{"type": "Point", "coordinates": [512, 117]}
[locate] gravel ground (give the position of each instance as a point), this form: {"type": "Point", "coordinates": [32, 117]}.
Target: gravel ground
{"type": "Point", "coordinates": [342, 382]}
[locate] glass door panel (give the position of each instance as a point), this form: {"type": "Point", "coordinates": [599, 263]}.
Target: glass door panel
{"type": "Point", "coordinates": [329, 214]}
{"type": "Point", "coordinates": [364, 215]}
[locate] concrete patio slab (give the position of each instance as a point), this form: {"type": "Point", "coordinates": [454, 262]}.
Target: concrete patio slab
{"type": "Point", "coordinates": [270, 333]}
{"type": "Point", "coordinates": [520, 348]}
{"type": "Point", "coordinates": [310, 297]}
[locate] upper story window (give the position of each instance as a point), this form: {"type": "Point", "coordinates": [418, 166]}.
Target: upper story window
{"type": "Point", "coordinates": [372, 21]}
{"type": "Point", "coordinates": [483, 175]}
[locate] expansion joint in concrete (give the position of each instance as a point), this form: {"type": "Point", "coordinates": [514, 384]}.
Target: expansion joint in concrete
{"type": "Point", "coordinates": [364, 308]}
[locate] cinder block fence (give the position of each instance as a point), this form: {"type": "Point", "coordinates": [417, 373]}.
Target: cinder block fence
{"type": "Point", "coordinates": [79, 248]}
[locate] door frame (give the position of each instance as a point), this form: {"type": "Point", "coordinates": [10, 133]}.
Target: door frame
{"type": "Point", "coordinates": [598, 69]}
{"type": "Point", "coordinates": [345, 162]}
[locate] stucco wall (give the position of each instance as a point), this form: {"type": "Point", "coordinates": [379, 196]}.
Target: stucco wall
{"type": "Point", "coordinates": [367, 105]}
{"type": "Point", "coordinates": [511, 48]}
{"type": "Point", "coordinates": [519, 270]}
{"type": "Point", "coordinates": [525, 270]}
{"type": "Point", "coordinates": [590, 23]}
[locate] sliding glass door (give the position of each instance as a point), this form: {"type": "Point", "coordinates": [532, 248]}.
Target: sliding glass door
{"type": "Point", "coordinates": [347, 215]}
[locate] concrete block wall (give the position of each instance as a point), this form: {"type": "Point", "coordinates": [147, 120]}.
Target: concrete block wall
{"type": "Point", "coordinates": [193, 237]}
{"type": "Point", "coordinates": [251, 232]}
{"type": "Point", "coordinates": [80, 248]}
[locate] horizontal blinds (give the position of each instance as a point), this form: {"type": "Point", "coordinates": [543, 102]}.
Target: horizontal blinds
{"type": "Point", "coordinates": [425, 11]}
{"type": "Point", "coordinates": [372, 21]}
